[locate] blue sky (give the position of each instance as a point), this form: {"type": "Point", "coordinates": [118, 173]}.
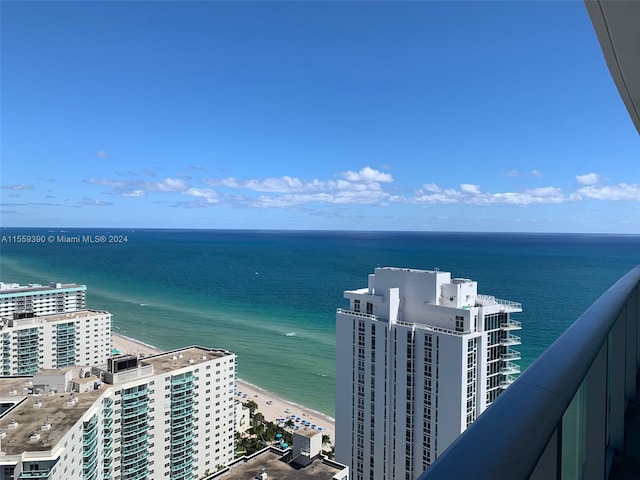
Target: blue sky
{"type": "Point", "coordinates": [457, 116]}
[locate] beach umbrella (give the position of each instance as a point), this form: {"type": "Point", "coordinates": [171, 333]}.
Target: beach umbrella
{"type": "Point", "coordinates": [285, 445]}
{"type": "Point", "coordinates": [278, 435]}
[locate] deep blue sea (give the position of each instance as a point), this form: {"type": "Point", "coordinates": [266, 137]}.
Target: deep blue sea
{"type": "Point", "coordinates": [270, 296]}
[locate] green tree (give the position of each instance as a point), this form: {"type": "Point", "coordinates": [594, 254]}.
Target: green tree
{"type": "Point", "coordinates": [252, 406]}
{"type": "Point", "coordinates": [257, 418]}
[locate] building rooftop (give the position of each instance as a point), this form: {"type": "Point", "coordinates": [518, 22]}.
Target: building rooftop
{"type": "Point", "coordinates": [272, 462]}
{"type": "Point", "coordinates": [56, 317]}
{"type": "Point", "coordinates": [168, 361]}
{"type": "Point", "coordinates": [402, 269]}
{"type": "Point", "coordinates": [9, 288]}
{"type": "Point", "coordinates": [33, 411]}
{"type": "Point", "coordinates": [26, 413]}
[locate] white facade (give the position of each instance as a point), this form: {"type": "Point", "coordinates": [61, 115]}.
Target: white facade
{"type": "Point", "coordinates": [167, 416]}
{"type": "Point", "coordinates": [419, 356]}
{"type": "Point", "coordinates": [31, 343]}
{"type": "Point", "coordinates": [42, 299]}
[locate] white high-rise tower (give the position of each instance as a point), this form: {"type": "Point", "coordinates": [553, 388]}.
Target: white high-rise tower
{"type": "Point", "coordinates": [419, 356]}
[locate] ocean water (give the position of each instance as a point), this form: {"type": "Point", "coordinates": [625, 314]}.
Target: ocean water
{"type": "Point", "coordinates": [270, 296]}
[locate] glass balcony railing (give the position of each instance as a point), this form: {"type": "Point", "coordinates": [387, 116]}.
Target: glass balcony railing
{"type": "Point", "coordinates": [178, 451]}
{"type": "Point", "coordinates": [179, 466]}
{"type": "Point", "coordinates": [510, 325]}
{"type": "Point", "coordinates": [89, 451]}
{"type": "Point", "coordinates": [180, 421]}
{"type": "Point", "coordinates": [138, 441]}
{"type": "Point", "coordinates": [177, 440]}
{"type": "Point", "coordinates": [510, 340]}
{"type": "Point", "coordinates": [510, 368]}
{"type": "Point", "coordinates": [182, 389]}
{"type": "Point", "coordinates": [139, 411]}
{"type": "Point", "coordinates": [511, 355]}
{"type": "Point", "coordinates": [90, 462]}
{"type": "Point", "coordinates": [35, 474]}
{"type": "Point", "coordinates": [135, 403]}
{"type": "Point", "coordinates": [137, 429]}
{"type": "Point", "coordinates": [126, 396]}
{"type": "Point", "coordinates": [182, 401]}
{"type": "Point", "coordinates": [181, 381]}
{"type": "Point", "coordinates": [506, 381]}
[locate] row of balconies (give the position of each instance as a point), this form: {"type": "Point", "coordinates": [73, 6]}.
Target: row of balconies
{"type": "Point", "coordinates": [135, 429]}
{"type": "Point", "coordinates": [136, 442]}
{"type": "Point", "coordinates": [179, 450]}
{"type": "Point", "coordinates": [133, 403]}
{"type": "Point", "coordinates": [181, 466]}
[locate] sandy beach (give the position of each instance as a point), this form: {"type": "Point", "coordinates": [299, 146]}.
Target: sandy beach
{"type": "Point", "coordinates": [270, 405]}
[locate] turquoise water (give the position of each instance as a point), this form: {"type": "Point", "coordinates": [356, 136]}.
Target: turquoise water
{"type": "Point", "coordinates": [270, 297]}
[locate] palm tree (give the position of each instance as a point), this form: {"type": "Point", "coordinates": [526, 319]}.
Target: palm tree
{"type": "Point", "coordinates": [252, 406]}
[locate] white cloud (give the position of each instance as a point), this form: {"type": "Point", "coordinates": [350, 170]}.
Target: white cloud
{"type": "Point", "coordinates": [133, 193]}
{"type": "Point", "coordinates": [431, 187]}
{"type": "Point", "coordinates": [588, 178]}
{"type": "Point", "coordinates": [469, 188]}
{"type": "Point", "coordinates": [366, 178]}
{"type": "Point", "coordinates": [106, 182]}
{"type": "Point", "coordinates": [471, 194]}
{"type": "Point", "coordinates": [366, 186]}
{"type": "Point", "coordinates": [512, 173]}
{"type": "Point", "coordinates": [536, 173]}
{"type": "Point", "coordinates": [272, 184]}
{"type": "Point", "coordinates": [18, 187]}
{"type": "Point", "coordinates": [92, 202]}
{"type": "Point", "coordinates": [170, 185]}
{"type": "Point", "coordinates": [206, 194]}
{"type": "Point", "coordinates": [367, 175]}
{"type": "Point", "coordinates": [435, 194]}
{"type": "Point", "coordinates": [101, 154]}
{"type": "Point", "coordinates": [528, 197]}
{"type": "Point", "coordinates": [622, 191]}
{"type": "Point", "coordinates": [282, 184]}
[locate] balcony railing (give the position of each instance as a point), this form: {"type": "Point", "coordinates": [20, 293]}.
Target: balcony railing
{"type": "Point", "coordinates": [510, 368]}
{"type": "Point", "coordinates": [510, 340]}
{"type": "Point", "coordinates": [33, 474]}
{"type": "Point", "coordinates": [564, 416]}
{"type": "Point", "coordinates": [510, 325]}
{"type": "Point", "coordinates": [511, 355]}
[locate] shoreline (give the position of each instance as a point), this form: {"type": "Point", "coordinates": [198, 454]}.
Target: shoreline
{"type": "Point", "coordinates": [271, 405]}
